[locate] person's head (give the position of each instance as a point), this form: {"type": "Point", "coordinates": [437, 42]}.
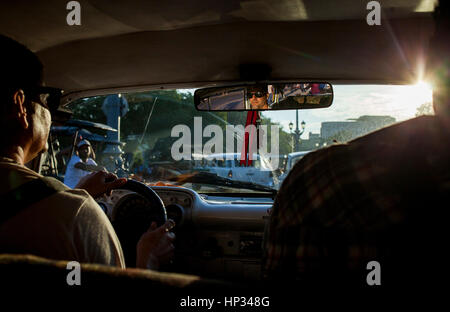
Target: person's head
{"type": "Point", "coordinates": [84, 149]}
{"type": "Point", "coordinates": [257, 96]}
{"type": "Point", "coordinates": [24, 117]}
{"type": "Point", "coordinates": [439, 60]}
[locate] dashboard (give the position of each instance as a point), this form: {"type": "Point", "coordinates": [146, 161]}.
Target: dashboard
{"type": "Point", "coordinates": [216, 236]}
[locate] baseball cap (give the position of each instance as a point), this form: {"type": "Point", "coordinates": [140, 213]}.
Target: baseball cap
{"type": "Point", "coordinates": [83, 142]}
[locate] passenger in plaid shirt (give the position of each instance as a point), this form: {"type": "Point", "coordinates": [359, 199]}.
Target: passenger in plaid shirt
{"type": "Point", "coordinates": [339, 206]}
{"type": "Point", "coordinates": [382, 197]}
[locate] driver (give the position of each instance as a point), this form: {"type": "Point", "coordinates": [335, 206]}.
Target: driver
{"type": "Point", "coordinates": [40, 215]}
{"type": "Point", "coordinates": [257, 95]}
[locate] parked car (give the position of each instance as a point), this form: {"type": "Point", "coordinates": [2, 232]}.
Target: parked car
{"type": "Point", "coordinates": [292, 159]}
{"type": "Point", "coordinates": [228, 165]}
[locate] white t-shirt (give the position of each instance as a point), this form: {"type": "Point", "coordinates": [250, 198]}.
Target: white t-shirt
{"type": "Point", "coordinates": [73, 175]}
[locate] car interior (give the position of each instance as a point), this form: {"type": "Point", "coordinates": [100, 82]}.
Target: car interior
{"type": "Point", "coordinates": [163, 58]}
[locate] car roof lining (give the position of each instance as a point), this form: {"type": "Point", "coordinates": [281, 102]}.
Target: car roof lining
{"type": "Point", "coordinates": [148, 44]}
{"type": "Point", "coordinates": [41, 24]}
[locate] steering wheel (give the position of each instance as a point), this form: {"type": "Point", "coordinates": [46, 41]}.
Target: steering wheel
{"type": "Point", "coordinates": [133, 215]}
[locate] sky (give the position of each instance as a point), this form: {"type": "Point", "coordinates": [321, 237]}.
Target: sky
{"type": "Point", "coordinates": [353, 101]}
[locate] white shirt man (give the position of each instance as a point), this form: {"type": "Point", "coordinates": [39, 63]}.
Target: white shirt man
{"type": "Point", "coordinates": [73, 175]}
{"type": "Point", "coordinates": [80, 166]}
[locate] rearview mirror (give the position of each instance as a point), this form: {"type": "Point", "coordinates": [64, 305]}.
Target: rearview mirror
{"type": "Point", "coordinates": [275, 96]}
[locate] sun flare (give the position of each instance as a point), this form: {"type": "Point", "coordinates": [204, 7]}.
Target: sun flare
{"type": "Point", "coordinates": [417, 94]}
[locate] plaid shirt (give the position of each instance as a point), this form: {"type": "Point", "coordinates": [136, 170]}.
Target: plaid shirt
{"type": "Point", "coordinates": [343, 206]}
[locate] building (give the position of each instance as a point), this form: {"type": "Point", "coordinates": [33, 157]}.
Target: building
{"type": "Point", "coordinates": [343, 131]}
{"type": "Point", "coordinates": [312, 143]}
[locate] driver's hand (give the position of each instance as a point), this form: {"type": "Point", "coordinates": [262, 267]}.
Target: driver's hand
{"type": "Point", "coordinates": [100, 182]}
{"type": "Point", "coordinates": [155, 247]}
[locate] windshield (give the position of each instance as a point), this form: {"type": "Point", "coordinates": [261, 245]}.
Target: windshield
{"type": "Point", "coordinates": [163, 138]}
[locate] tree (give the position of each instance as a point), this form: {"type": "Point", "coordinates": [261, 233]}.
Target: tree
{"type": "Point", "coordinates": [425, 109]}
{"type": "Point", "coordinates": [284, 138]}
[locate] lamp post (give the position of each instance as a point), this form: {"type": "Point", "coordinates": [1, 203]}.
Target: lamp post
{"type": "Point", "coordinates": [114, 107]}
{"type": "Point", "coordinates": [297, 131]}
{"type": "Point", "coordinates": [291, 125]}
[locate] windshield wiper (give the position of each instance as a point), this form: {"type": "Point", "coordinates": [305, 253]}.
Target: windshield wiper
{"type": "Point", "coordinates": [214, 179]}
